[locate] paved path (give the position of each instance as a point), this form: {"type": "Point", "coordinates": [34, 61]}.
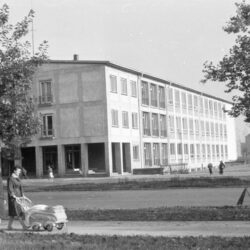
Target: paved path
{"type": "Point", "coordinates": [204, 228]}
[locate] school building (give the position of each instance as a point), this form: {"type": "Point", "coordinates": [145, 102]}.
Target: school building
{"type": "Point", "coordinates": [99, 118]}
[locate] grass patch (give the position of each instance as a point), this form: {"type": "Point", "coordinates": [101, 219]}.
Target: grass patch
{"type": "Point", "coordinates": [72, 241]}
{"type": "Point", "coordinates": [226, 213]}
{"type": "Point", "coordinates": [140, 184]}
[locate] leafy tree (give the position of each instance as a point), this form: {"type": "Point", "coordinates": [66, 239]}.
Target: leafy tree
{"type": "Point", "coordinates": [234, 68]}
{"type": "Point", "coordinates": [18, 121]}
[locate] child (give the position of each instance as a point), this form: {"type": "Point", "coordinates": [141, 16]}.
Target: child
{"type": "Point", "coordinates": [50, 170]}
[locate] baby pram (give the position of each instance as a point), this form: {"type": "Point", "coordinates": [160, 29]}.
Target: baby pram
{"type": "Point", "coordinates": [41, 216]}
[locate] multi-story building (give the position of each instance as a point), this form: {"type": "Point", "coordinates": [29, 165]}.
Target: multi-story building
{"type": "Point", "coordinates": [99, 117]}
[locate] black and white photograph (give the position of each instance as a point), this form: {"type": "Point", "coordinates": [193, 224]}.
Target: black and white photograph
{"type": "Point", "coordinates": [124, 124]}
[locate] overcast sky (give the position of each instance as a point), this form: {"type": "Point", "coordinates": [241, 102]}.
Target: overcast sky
{"type": "Point", "coordinates": [166, 38]}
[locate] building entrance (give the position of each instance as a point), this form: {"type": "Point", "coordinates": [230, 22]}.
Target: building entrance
{"type": "Point", "coordinates": [50, 158]}
{"type": "Point", "coordinates": [73, 158]}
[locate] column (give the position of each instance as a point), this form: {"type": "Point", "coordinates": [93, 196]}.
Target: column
{"type": "Point", "coordinates": [118, 158]}
{"type": "Point", "coordinates": [108, 158]}
{"type": "Point", "coordinates": [84, 159]}
{"type": "Point", "coordinates": [39, 161]}
{"type": "Point", "coordinates": [61, 160]}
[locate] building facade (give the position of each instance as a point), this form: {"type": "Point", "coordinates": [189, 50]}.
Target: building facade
{"type": "Point", "coordinates": [101, 118]}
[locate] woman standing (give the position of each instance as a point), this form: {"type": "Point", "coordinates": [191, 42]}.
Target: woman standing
{"type": "Point", "coordinates": [15, 189]}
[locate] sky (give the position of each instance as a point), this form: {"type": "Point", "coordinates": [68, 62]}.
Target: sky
{"type": "Point", "coordinates": [165, 38]}
{"type": "Point", "coordinates": [170, 39]}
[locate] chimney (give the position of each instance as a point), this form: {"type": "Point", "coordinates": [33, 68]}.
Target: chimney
{"type": "Point", "coordinates": [76, 57]}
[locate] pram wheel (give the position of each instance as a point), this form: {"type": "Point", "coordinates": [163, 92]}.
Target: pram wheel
{"type": "Point", "coordinates": [36, 227]}
{"type": "Point", "coordinates": [59, 226]}
{"type": "Point", "coordinates": [48, 226]}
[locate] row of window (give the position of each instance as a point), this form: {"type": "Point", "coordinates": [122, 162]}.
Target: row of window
{"type": "Point", "coordinates": [157, 153]}
{"type": "Point", "coordinates": [125, 119]}
{"type": "Point", "coordinates": [123, 86]}
{"type": "Point", "coordinates": [153, 123]}
{"type": "Point", "coordinates": [154, 95]}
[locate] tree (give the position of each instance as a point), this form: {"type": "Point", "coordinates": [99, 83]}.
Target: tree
{"type": "Point", "coordinates": [18, 120]}
{"type": "Point", "coordinates": [234, 68]}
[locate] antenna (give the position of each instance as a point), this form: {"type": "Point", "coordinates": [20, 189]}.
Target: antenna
{"type": "Point", "coordinates": [32, 30]}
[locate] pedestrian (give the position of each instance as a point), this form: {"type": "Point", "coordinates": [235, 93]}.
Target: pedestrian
{"type": "Point", "coordinates": [50, 170]}
{"type": "Point", "coordinates": [221, 167]}
{"type": "Point", "coordinates": [210, 168]}
{"type": "Point", "coordinates": [15, 189]}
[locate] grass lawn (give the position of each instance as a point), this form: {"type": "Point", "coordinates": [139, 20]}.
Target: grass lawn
{"type": "Point", "coordinates": [69, 242]}
{"type": "Point", "coordinates": [127, 184]}
{"type": "Point", "coordinates": [226, 213]}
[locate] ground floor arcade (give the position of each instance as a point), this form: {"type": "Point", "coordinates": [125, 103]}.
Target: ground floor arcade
{"type": "Point", "coordinates": [84, 159]}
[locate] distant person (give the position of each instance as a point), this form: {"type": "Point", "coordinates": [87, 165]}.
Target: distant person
{"type": "Point", "coordinates": [50, 171]}
{"type": "Point", "coordinates": [210, 168]}
{"type": "Point", "coordinates": [221, 167]}
{"type": "Point", "coordinates": [14, 189]}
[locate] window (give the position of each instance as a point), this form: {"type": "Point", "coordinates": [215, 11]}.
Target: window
{"type": "Point", "coordinates": [184, 100]}
{"type": "Point", "coordinates": [196, 103]}
{"type": "Point", "coordinates": [184, 125]}
{"type": "Point", "coordinates": [46, 92]}
{"type": "Point", "coordinates": [202, 128]}
{"type": "Point", "coordinates": [153, 91]}
{"type": "Point", "coordinates": [177, 99]}
{"type": "Point", "coordinates": [134, 120]}
{"type": "Point", "coordinates": [217, 151]}
{"type": "Point", "coordinates": [171, 123]}
{"type": "Point", "coordinates": [225, 131]}
{"type": "Point", "coordinates": [221, 131]}
{"type": "Point", "coordinates": [217, 130]}
{"type": "Point", "coordinates": [186, 149]}
{"type": "Point", "coordinates": [208, 151]}
{"type": "Point", "coordinates": [191, 126]}
{"type": "Point", "coordinates": [222, 151]}
{"type": "Point", "coordinates": [172, 149]}
{"type": "Point", "coordinates": [226, 152]}
{"type": "Point", "coordinates": [155, 125]}
{"type": "Point", "coordinates": [201, 105]}
{"type": "Point", "coordinates": [146, 123]}
{"type": "Point", "coordinates": [207, 129]}
{"type": "Point", "coordinates": [179, 148]}
{"type": "Point", "coordinates": [170, 97]}
{"type": "Point", "coordinates": [212, 129]}
{"type": "Point", "coordinates": [203, 151]}
{"type": "Point", "coordinates": [198, 151]}
{"type": "Point", "coordinates": [147, 154]}
{"type": "Point", "coordinates": [215, 109]}
{"type": "Point", "coordinates": [135, 152]}
{"type": "Point", "coordinates": [206, 106]}
{"type": "Point", "coordinates": [213, 151]}
{"type": "Point", "coordinates": [133, 89]}
{"type": "Point", "coordinates": [197, 127]}
{"type": "Point", "coordinates": [145, 95]}
{"type": "Point", "coordinates": [113, 84]}
{"type": "Point", "coordinates": [162, 97]}
{"type": "Point", "coordinates": [220, 110]}
{"type": "Point", "coordinates": [192, 151]}
{"type": "Point", "coordinates": [211, 108]}
{"type": "Point", "coordinates": [125, 119]}
{"type": "Point", "coordinates": [164, 153]}
{"type": "Point", "coordinates": [156, 150]}
{"type": "Point", "coordinates": [47, 126]}
{"type": "Point", "coordinates": [163, 126]}
{"type": "Point", "coordinates": [124, 86]}
{"type": "Point", "coordinates": [114, 115]}
{"type": "Point", "coordinates": [178, 124]}
{"type": "Point", "coordinates": [190, 102]}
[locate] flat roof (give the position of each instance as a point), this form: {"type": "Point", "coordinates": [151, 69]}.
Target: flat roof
{"type": "Point", "coordinates": [137, 72]}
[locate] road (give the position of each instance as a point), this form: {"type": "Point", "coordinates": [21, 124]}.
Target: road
{"type": "Point", "coordinates": [190, 228]}
{"type": "Point", "coordinates": [140, 198]}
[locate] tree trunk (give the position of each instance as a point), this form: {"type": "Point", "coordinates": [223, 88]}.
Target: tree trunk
{"type": "Point", "coordinates": [2, 210]}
